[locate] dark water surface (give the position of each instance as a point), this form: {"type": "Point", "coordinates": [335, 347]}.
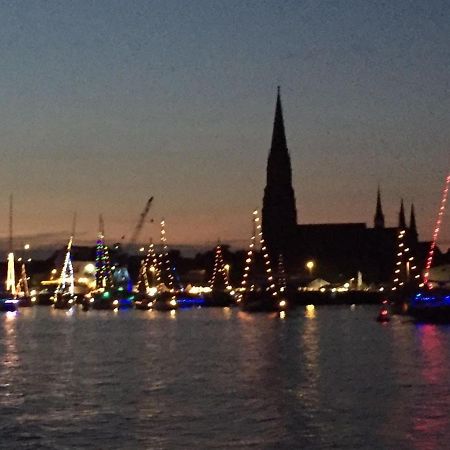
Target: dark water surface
{"type": "Point", "coordinates": [219, 378]}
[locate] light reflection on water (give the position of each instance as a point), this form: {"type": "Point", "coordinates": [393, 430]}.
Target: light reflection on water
{"type": "Point", "coordinates": [328, 377]}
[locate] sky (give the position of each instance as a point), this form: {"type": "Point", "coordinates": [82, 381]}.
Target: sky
{"type": "Point", "coordinates": [106, 103]}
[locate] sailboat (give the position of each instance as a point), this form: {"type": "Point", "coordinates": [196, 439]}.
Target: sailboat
{"type": "Point", "coordinates": [166, 296]}
{"type": "Point", "coordinates": [221, 292]}
{"type": "Point", "coordinates": [23, 291]}
{"type": "Point", "coordinates": [64, 297]}
{"type": "Point", "coordinates": [262, 296]}
{"type": "Point", "coordinates": [432, 302]}
{"type": "Point", "coordinates": [106, 295]}
{"type": "Point", "coordinates": [8, 300]}
{"type": "Point", "coordinates": [148, 273]}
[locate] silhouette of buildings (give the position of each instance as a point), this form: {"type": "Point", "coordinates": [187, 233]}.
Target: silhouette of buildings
{"type": "Point", "coordinates": [339, 250]}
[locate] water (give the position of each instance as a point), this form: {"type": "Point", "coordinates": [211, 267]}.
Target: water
{"type": "Point", "coordinates": [219, 378]}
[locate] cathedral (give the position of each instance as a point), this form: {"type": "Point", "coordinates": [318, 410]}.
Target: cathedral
{"type": "Point", "coordinates": [336, 251]}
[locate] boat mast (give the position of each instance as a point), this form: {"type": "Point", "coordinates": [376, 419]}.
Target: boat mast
{"type": "Point", "coordinates": [426, 275]}
{"type": "Point", "coordinates": [66, 280]}
{"type": "Point", "coordinates": [219, 268]}
{"type": "Point", "coordinates": [11, 276]}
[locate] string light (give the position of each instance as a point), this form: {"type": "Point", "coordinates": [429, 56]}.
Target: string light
{"type": "Point", "coordinates": [281, 273]}
{"type": "Point", "coordinates": [271, 285]}
{"type": "Point", "coordinates": [66, 283]}
{"type": "Point", "coordinates": [219, 268]}
{"type": "Point", "coordinates": [429, 261]}
{"type": "Point", "coordinates": [164, 260]}
{"type": "Point", "coordinates": [103, 275]}
{"type": "Point", "coordinates": [11, 275]}
{"type": "Point", "coordinates": [404, 267]}
{"type": "Point", "coordinates": [150, 263]}
{"type": "Point", "coordinates": [22, 285]}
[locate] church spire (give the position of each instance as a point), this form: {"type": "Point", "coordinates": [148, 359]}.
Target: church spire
{"type": "Point", "coordinates": [412, 222]}
{"type": "Point", "coordinates": [278, 134]}
{"type": "Point", "coordinates": [279, 213]}
{"type": "Point", "coordinates": [378, 220]}
{"type": "Point", "coordinates": [401, 217]}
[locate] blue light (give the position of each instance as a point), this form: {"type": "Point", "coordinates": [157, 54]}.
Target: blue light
{"type": "Point", "coordinates": [191, 301]}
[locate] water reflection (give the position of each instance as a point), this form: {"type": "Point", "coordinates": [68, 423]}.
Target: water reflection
{"type": "Point", "coordinates": [309, 391]}
{"type": "Point", "coordinates": [430, 416]}
{"type": "Point", "coordinates": [9, 362]}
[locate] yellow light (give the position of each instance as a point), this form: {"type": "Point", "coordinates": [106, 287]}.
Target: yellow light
{"type": "Point", "coordinates": [310, 307]}
{"type": "Point", "coordinates": [282, 303]}
{"type": "Point", "coordinates": [310, 265]}
{"type": "Point", "coordinates": [89, 268]}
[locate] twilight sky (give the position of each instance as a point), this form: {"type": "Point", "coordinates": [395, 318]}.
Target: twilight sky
{"type": "Point", "coordinates": [105, 103]}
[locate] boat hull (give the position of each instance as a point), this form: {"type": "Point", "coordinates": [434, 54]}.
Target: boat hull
{"type": "Point", "coordinates": [431, 306]}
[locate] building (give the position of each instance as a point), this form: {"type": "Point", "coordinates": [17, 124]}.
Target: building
{"type": "Point", "coordinates": [335, 251]}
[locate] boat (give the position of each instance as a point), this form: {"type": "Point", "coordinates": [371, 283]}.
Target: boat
{"type": "Point", "coordinates": [8, 303]}
{"type": "Point", "coordinates": [63, 300]}
{"type": "Point", "coordinates": [260, 301]}
{"type": "Point", "coordinates": [23, 292]}
{"type": "Point", "coordinates": [260, 295]}
{"type": "Point", "coordinates": [145, 290]}
{"type": "Point", "coordinates": [432, 302]}
{"type": "Point", "coordinates": [431, 306]}
{"type": "Point", "coordinates": [220, 298]}
{"type": "Point", "coordinates": [106, 294]}
{"type": "Point", "coordinates": [111, 299]}
{"type": "Point", "coordinates": [64, 296]}
{"type": "Point", "coordinates": [383, 313]}
{"type": "Point", "coordinates": [165, 301]}
{"type": "Point", "coordinates": [220, 291]}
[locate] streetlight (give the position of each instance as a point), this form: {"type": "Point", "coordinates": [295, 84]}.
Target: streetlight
{"type": "Point", "coordinates": [310, 266]}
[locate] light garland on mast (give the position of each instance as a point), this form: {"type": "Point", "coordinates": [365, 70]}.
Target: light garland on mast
{"type": "Point", "coordinates": [250, 260]}
{"type": "Point", "coordinates": [405, 267]}
{"type": "Point", "coordinates": [149, 263]}
{"type": "Point", "coordinates": [426, 275]}
{"type": "Point", "coordinates": [102, 264]}
{"type": "Point", "coordinates": [11, 276]}
{"type": "Point", "coordinates": [281, 272]}
{"type": "Point", "coordinates": [219, 268]}
{"type": "Point", "coordinates": [67, 273]}
{"type": "Point", "coordinates": [22, 285]}
{"type": "Point", "coordinates": [164, 261]}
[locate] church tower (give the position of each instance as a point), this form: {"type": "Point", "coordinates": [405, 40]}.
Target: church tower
{"type": "Point", "coordinates": [378, 220]}
{"type": "Point", "coordinates": [279, 213]}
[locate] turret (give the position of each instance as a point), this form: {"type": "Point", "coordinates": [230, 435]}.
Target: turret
{"type": "Point", "coordinates": [378, 221]}
{"type": "Point", "coordinates": [401, 217]}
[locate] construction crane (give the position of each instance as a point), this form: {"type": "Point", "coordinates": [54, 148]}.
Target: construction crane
{"type": "Point", "coordinates": [140, 223]}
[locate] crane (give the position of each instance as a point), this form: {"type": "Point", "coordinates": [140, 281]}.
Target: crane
{"type": "Point", "coordinates": [140, 223]}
